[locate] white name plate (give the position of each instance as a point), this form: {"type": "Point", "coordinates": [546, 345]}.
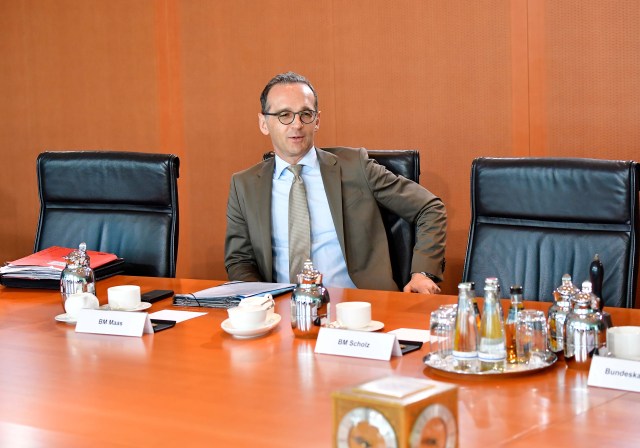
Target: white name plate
{"type": "Point", "coordinates": [119, 323]}
{"type": "Point", "coordinates": [358, 344]}
{"type": "Point", "coordinates": [614, 373]}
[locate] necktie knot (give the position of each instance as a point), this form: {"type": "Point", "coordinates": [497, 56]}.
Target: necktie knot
{"type": "Point", "coordinates": [296, 170]}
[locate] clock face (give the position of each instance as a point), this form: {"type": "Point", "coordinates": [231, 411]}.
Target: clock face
{"type": "Point", "coordinates": [365, 428]}
{"type": "Point", "coordinates": [435, 427]}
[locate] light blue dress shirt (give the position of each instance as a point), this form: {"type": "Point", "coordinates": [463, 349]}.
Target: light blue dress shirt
{"type": "Point", "coordinates": [326, 253]}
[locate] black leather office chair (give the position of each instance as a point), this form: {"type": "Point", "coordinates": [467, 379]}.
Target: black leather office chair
{"type": "Point", "coordinates": [401, 235]}
{"type": "Point", "coordinates": [535, 219]}
{"type": "Point", "coordinates": [119, 202]}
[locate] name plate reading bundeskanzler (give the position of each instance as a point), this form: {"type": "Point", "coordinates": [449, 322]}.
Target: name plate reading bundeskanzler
{"type": "Point", "coordinates": [358, 344]}
{"type": "Point", "coordinates": [118, 323]}
{"type": "Point", "coordinates": [614, 373]}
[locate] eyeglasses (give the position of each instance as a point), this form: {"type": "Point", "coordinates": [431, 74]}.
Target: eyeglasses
{"type": "Point", "coordinates": [287, 117]}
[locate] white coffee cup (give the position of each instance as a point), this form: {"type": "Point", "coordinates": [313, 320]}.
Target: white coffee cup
{"type": "Point", "coordinates": [265, 302]}
{"type": "Point", "coordinates": [353, 315]}
{"type": "Point", "coordinates": [123, 297]}
{"type": "Point", "coordinates": [76, 302]}
{"type": "Point", "coordinates": [247, 317]}
{"type": "Point", "coordinates": [624, 342]}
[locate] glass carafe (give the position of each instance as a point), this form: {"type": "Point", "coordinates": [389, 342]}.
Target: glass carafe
{"type": "Point", "coordinates": [310, 303]}
{"type": "Point", "coordinates": [585, 330]}
{"type": "Point", "coordinates": [77, 275]}
{"type": "Point", "coordinates": [563, 295]}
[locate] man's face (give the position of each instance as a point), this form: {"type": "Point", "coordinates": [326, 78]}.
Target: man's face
{"type": "Point", "coordinates": [292, 141]}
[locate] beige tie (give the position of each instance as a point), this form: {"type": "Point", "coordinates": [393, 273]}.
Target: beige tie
{"type": "Point", "coordinates": [299, 225]}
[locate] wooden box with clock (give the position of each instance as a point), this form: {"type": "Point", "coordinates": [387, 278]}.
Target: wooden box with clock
{"type": "Point", "coordinates": [396, 412]}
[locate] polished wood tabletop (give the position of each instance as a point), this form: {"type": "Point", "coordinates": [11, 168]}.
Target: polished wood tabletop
{"type": "Point", "coordinates": [195, 385]}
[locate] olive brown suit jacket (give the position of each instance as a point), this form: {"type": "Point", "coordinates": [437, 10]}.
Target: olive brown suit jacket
{"type": "Point", "coordinates": [355, 185]}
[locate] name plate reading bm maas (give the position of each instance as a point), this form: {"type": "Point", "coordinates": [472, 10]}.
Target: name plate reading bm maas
{"type": "Point", "coordinates": [119, 323]}
{"type": "Point", "coordinates": [358, 344]}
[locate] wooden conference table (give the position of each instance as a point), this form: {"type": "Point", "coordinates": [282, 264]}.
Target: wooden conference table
{"type": "Point", "coordinates": [195, 385]}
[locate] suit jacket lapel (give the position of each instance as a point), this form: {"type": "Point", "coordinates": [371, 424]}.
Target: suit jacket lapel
{"type": "Point", "coordinates": [330, 171]}
{"type": "Point", "coordinates": [264, 183]}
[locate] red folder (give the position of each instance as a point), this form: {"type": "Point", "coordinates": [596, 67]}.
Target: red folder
{"type": "Point", "coordinates": [54, 257]}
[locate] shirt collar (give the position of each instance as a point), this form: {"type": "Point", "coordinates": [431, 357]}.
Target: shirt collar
{"type": "Point", "coordinates": [310, 160]}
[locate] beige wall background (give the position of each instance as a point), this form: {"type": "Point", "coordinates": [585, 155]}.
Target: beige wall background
{"type": "Point", "coordinates": [456, 79]}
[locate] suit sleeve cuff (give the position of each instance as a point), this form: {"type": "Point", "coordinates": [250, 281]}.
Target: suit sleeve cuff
{"type": "Point", "coordinates": [429, 276]}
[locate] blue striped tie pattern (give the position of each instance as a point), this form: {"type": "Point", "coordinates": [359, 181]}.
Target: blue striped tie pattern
{"type": "Point", "coordinates": [299, 225]}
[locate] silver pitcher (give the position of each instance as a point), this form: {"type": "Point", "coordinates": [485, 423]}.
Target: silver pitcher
{"type": "Point", "coordinates": [310, 303]}
{"type": "Point", "coordinates": [563, 295]}
{"type": "Point", "coordinates": [77, 275]}
{"type": "Point", "coordinates": [585, 330]}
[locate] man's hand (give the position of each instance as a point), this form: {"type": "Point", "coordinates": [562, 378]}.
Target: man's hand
{"type": "Point", "coordinates": [420, 283]}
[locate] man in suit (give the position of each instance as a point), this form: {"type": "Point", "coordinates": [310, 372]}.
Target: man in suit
{"type": "Point", "coordinates": [343, 189]}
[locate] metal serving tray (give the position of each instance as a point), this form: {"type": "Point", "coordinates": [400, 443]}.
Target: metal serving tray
{"type": "Point", "coordinates": [446, 368]}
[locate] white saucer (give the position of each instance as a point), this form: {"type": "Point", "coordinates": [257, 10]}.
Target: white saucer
{"type": "Point", "coordinates": [270, 324]}
{"type": "Point", "coordinates": [142, 306]}
{"type": "Point", "coordinates": [66, 319]}
{"type": "Point", "coordinates": [374, 325]}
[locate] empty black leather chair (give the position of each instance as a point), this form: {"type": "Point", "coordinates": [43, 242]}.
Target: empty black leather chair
{"type": "Point", "coordinates": [119, 202]}
{"type": "Point", "coordinates": [401, 235]}
{"type": "Point", "coordinates": [535, 219]}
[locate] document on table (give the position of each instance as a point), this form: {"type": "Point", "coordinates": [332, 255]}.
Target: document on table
{"type": "Point", "coordinates": [230, 294]}
{"type": "Point", "coordinates": [178, 316]}
{"type": "Point", "coordinates": [411, 334]}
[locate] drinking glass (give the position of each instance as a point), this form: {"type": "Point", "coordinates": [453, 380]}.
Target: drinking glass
{"type": "Point", "coordinates": [442, 330]}
{"type": "Point", "coordinates": [532, 344]}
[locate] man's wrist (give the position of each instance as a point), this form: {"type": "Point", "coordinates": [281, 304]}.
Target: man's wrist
{"type": "Point", "coordinates": [430, 276]}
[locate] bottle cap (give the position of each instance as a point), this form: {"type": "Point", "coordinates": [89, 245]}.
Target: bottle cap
{"type": "Point", "coordinates": [515, 289]}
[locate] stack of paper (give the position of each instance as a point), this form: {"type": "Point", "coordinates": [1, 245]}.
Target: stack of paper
{"type": "Point", "coordinates": [230, 294]}
{"type": "Point", "coordinates": [43, 269]}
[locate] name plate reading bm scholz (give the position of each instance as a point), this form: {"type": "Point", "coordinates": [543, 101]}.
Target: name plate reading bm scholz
{"type": "Point", "coordinates": [614, 373]}
{"type": "Point", "coordinates": [357, 344]}
{"type": "Point", "coordinates": [118, 323]}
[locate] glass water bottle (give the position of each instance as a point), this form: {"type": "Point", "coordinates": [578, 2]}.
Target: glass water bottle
{"type": "Point", "coordinates": [492, 351]}
{"type": "Point", "coordinates": [475, 304]}
{"type": "Point", "coordinates": [493, 281]}
{"type": "Point", "coordinates": [596, 276]}
{"type": "Point", "coordinates": [465, 343]}
{"type": "Point", "coordinates": [517, 305]}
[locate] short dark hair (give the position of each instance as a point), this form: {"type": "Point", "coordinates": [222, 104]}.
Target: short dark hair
{"type": "Point", "coordinates": [285, 78]}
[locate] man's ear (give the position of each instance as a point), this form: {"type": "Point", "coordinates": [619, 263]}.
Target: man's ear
{"type": "Point", "coordinates": [262, 124]}
{"type": "Point", "coordinates": [316, 125]}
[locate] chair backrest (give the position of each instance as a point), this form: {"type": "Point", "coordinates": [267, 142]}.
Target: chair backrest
{"type": "Point", "coordinates": [401, 235]}
{"type": "Point", "coordinates": [119, 202]}
{"type": "Point", "coordinates": [535, 219]}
